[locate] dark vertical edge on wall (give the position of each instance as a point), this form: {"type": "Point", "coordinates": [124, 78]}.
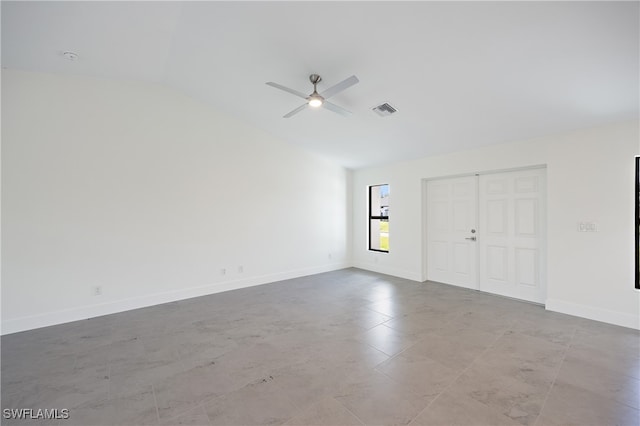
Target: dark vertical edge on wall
{"type": "Point", "coordinates": [637, 222]}
{"type": "Point", "coordinates": [369, 218]}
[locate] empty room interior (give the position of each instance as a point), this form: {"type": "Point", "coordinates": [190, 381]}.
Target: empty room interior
{"type": "Point", "coordinates": [320, 213]}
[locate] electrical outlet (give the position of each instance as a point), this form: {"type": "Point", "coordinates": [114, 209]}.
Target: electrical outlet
{"type": "Point", "coordinates": [97, 290]}
{"type": "Point", "coordinates": [223, 271]}
{"type": "Point", "coordinates": [330, 256]}
{"type": "Point", "coordinates": [240, 269]}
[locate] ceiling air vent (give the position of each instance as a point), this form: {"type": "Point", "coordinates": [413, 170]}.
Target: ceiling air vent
{"type": "Point", "coordinates": [384, 109]}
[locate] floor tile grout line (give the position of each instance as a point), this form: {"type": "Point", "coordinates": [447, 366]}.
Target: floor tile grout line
{"type": "Point", "coordinates": [110, 381]}
{"type": "Point", "coordinates": [378, 312]}
{"type": "Point", "coordinates": [179, 414]}
{"type": "Point", "coordinates": [553, 382]}
{"type": "Point", "coordinates": [206, 414]}
{"type": "Point", "coordinates": [396, 354]}
{"type": "Point", "coordinates": [155, 402]}
{"type": "Point", "coordinates": [347, 408]}
{"type": "Point", "coordinates": [374, 326]}
{"type": "Point", "coordinates": [383, 353]}
{"type": "Point", "coordinates": [459, 375]}
{"type": "Point", "coordinates": [420, 340]}
{"type": "Point", "coordinates": [408, 388]}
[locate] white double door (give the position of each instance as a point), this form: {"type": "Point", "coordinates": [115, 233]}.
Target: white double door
{"type": "Point", "coordinates": [487, 232]}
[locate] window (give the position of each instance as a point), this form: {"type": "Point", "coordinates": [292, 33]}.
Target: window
{"type": "Point", "coordinates": [379, 218]}
{"type": "Point", "coordinates": [637, 224]}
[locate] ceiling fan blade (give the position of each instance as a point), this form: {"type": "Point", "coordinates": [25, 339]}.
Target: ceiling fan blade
{"type": "Point", "coordinates": [295, 111]}
{"type": "Point", "coordinates": [336, 108]}
{"type": "Point", "coordinates": [286, 89]}
{"type": "Point", "coordinates": [345, 84]}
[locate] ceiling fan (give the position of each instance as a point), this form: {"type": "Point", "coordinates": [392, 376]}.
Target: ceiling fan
{"type": "Point", "coordinates": [316, 99]}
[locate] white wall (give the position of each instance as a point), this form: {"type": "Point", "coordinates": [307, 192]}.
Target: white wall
{"type": "Point", "coordinates": [590, 177]}
{"type": "Point", "coordinates": [149, 194]}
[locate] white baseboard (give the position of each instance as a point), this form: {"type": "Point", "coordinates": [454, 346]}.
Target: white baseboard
{"type": "Point", "coordinates": [597, 314]}
{"type": "Point", "coordinates": [383, 269]}
{"type": "Point", "coordinates": [16, 325]}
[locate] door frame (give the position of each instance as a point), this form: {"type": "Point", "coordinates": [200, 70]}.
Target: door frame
{"type": "Point", "coordinates": [425, 231]}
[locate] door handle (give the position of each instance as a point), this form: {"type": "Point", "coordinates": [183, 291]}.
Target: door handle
{"type": "Point", "coordinates": [471, 238]}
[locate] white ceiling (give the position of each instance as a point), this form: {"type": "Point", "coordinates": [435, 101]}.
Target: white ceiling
{"type": "Point", "coordinates": [461, 74]}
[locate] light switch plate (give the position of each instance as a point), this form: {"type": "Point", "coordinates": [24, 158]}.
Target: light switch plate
{"type": "Point", "coordinates": [587, 227]}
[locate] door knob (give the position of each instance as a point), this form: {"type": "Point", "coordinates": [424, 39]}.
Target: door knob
{"type": "Point", "coordinates": [471, 238]}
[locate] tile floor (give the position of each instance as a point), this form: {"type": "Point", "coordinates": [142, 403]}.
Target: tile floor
{"type": "Point", "coordinates": [342, 348]}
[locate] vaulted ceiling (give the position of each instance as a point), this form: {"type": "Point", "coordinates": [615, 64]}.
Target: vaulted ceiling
{"type": "Point", "coordinates": [460, 74]}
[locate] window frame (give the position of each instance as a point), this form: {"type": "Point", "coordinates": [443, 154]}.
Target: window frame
{"type": "Point", "coordinates": [375, 217]}
{"type": "Point", "coordinates": [637, 224]}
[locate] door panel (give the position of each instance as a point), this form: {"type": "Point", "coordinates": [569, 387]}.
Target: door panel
{"type": "Point", "coordinates": [526, 217]}
{"type": "Point", "coordinates": [511, 231]}
{"type": "Point", "coordinates": [461, 258]}
{"type": "Point", "coordinates": [440, 258]}
{"type": "Point", "coordinates": [451, 214]}
{"type": "Point", "coordinates": [496, 217]}
{"type": "Point", "coordinates": [497, 263]}
{"type": "Point", "coordinates": [527, 272]}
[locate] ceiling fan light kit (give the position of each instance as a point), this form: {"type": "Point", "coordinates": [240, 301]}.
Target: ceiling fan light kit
{"type": "Point", "coordinates": [315, 99]}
